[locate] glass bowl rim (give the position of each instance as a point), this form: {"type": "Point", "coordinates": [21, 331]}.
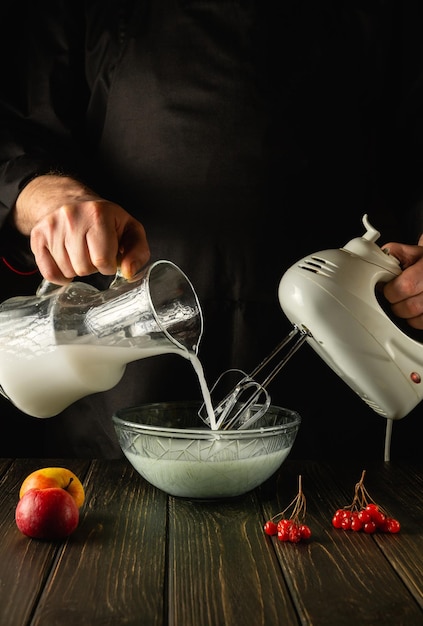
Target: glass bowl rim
{"type": "Point", "coordinates": [202, 433]}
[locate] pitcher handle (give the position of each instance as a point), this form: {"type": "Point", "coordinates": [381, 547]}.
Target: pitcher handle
{"type": "Point", "coordinates": [46, 288]}
{"type": "Point", "coordinates": [119, 278]}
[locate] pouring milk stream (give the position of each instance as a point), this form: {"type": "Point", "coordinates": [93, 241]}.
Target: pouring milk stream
{"type": "Point", "coordinates": [67, 342]}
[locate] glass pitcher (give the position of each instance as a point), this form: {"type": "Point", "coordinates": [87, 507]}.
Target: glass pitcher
{"type": "Point", "coordinates": [67, 342]}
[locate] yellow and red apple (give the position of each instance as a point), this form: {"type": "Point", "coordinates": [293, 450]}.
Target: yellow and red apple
{"type": "Point", "coordinates": [55, 477]}
{"type": "Point", "coordinates": [50, 499]}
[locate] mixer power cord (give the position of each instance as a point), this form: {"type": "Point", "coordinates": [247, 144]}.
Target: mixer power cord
{"type": "Point", "coordinates": [388, 438]}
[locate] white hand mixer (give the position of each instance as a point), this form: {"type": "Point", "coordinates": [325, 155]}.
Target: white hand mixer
{"type": "Point", "coordinates": [331, 298]}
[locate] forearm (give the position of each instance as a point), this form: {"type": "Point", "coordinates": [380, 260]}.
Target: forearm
{"type": "Point", "coordinates": [42, 196]}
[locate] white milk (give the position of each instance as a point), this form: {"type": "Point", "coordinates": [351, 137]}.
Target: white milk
{"type": "Point", "coordinates": [198, 369]}
{"type": "Point", "coordinates": [45, 384]}
{"type": "Point", "coordinates": [207, 479]}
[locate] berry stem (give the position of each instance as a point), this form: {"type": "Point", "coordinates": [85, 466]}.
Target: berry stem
{"type": "Point", "coordinates": [361, 496]}
{"type": "Point", "coordinates": [298, 505]}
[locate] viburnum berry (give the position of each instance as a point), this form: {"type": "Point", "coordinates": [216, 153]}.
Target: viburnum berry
{"type": "Point", "coordinates": [356, 523]}
{"type": "Point", "coordinates": [364, 514]}
{"type": "Point", "coordinates": [270, 528]}
{"type": "Point", "coordinates": [338, 517]}
{"type": "Point", "coordinates": [283, 534]}
{"type": "Point", "coordinates": [305, 531]}
{"type": "Point", "coordinates": [290, 524]}
{"type": "Point", "coordinates": [369, 527]}
{"type": "Point", "coordinates": [392, 525]}
{"type": "Point", "coordinates": [294, 534]}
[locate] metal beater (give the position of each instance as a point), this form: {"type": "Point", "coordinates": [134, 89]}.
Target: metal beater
{"type": "Point", "coordinates": [247, 399]}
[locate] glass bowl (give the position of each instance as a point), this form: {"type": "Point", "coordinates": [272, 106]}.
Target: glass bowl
{"type": "Point", "coordinates": [171, 447]}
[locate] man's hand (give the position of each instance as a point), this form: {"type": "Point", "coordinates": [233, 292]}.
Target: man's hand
{"type": "Point", "coordinates": [405, 292]}
{"type": "Point", "coordinates": [75, 232]}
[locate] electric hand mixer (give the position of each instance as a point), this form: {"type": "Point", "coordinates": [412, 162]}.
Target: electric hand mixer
{"type": "Point", "coordinates": [331, 299]}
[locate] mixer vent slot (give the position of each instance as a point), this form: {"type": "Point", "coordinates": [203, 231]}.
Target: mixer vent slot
{"type": "Point", "coordinates": [374, 406]}
{"type": "Point", "coordinates": [317, 265]}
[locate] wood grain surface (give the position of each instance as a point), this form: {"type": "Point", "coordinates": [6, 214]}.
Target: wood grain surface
{"type": "Point", "coordinates": [140, 557]}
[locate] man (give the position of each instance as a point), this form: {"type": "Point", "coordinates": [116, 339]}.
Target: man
{"type": "Point", "coordinates": [219, 138]}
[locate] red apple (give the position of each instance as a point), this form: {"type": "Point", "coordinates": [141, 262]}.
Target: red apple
{"type": "Point", "coordinates": [47, 513]}
{"type": "Point", "coordinates": [55, 477]}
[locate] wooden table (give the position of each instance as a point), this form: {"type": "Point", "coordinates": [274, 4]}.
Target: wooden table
{"type": "Point", "coordinates": [140, 557]}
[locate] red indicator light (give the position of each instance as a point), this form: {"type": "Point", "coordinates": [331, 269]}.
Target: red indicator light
{"type": "Point", "coordinates": [415, 377]}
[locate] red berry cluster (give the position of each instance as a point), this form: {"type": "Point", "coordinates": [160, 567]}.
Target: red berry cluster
{"type": "Point", "coordinates": [290, 525]}
{"type": "Point", "coordinates": [364, 514]}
